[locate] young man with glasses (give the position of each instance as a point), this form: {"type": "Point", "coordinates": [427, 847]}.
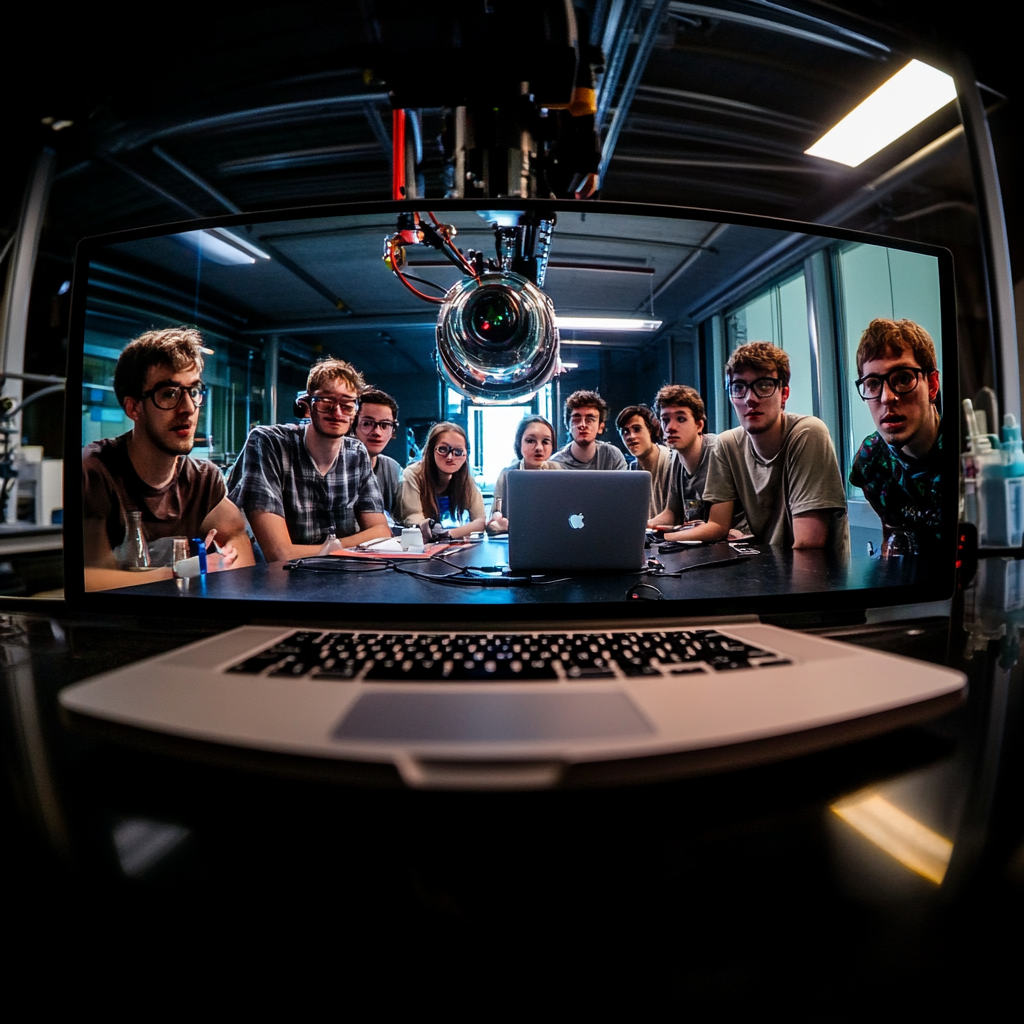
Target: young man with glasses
{"type": "Point", "coordinates": [376, 425]}
{"type": "Point", "coordinates": [778, 468]}
{"type": "Point", "coordinates": [158, 381]}
{"type": "Point", "coordinates": [297, 482]}
{"type": "Point", "coordinates": [898, 466]}
{"type": "Point", "coordinates": [585, 415]}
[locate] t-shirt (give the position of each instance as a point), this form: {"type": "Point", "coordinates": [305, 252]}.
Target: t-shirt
{"type": "Point", "coordinates": [684, 486]}
{"type": "Point", "coordinates": [659, 479]}
{"type": "Point", "coordinates": [412, 498]}
{"type": "Point", "coordinates": [275, 473]}
{"type": "Point", "coordinates": [607, 457]}
{"type": "Point", "coordinates": [501, 484]}
{"type": "Point", "coordinates": [389, 479]}
{"type": "Point", "coordinates": [802, 477]}
{"type": "Point", "coordinates": [905, 493]}
{"type": "Point", "coordinates": [111, 489]}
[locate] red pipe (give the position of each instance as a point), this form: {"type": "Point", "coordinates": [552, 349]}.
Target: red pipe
{"type": "Point", "coordinates": [398, 154]}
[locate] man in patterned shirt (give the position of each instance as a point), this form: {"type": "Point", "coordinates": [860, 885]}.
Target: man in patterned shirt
{"type": "Point", "coordinates": [295, 483]}
{"type": "Point", "coordinates": [898, 466]}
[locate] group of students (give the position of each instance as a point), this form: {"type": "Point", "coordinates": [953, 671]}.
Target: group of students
{"type": "Point", "coordinates": [774, 478]}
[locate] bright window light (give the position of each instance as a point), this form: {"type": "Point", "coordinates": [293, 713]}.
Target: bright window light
{"type": "Point", "coordinates": [911, 95]}
{"type": "Point", "coordinates": [603, 323]}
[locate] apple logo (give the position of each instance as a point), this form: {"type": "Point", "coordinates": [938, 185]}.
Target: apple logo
{"type": "Point", "coordinates": [576, 521]}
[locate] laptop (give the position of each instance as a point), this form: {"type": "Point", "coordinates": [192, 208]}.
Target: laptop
{"type": "Point", "coordinates": [579, 520]}
{"type": "Point", "coordinates": [445, 674]}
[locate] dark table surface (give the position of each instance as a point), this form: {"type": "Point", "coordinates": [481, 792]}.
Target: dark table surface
{"type": "Point", "coordinates": [742, 889]}
{"type": "Point", "coordinates": [727, 575]}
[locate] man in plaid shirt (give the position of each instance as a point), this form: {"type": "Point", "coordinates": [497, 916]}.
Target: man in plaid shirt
{"type": "Point", "coordinates": [295, 483]}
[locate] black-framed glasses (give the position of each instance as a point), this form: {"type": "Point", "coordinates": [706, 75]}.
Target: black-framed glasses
{"type": "Point", "coordinates": [167, 395]}
{"type": "Point", "coordinates": [367, 424]}
{"type": "Point", "coordinates": [444, 450]}
{"type": "Point", "coordinates": [329, 404]}
{"type": "Point", "coordinates": [901, 381]}
{"type": "Point", "coordinates": [763, 387]}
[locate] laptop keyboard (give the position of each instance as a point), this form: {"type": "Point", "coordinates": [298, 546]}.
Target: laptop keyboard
{"type": "Point", "coordinates": [503, 657]}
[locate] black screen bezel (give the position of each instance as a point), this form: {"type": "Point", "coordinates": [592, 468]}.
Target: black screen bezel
{"type": "Point", "coordinates": [448, 603]}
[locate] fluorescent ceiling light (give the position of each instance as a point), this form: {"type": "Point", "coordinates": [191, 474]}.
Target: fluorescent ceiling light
{"type": "Point", "coordinates": [242, 243]}
{"type": "Point", "coordinates": [222, 247]}
{"type": "Point", "coordinates": [604, 323]}
{"type": "Point", "coordinates": [911, 95]}
{"type": "Point", "coordinates": [577, 341]}
{"type": "Point", "coordinates": [570, 366]}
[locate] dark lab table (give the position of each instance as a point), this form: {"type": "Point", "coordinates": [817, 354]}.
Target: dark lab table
{"type": "Point", "coordinates": [742, 889]}
{"type": "Point", "coordinates": [774, 571]}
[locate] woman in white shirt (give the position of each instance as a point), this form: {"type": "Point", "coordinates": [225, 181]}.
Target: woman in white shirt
{"type": "Point", "coordinates": [535, 441]}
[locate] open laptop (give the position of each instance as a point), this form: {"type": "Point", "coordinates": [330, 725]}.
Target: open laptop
{"type": "Point", "coordinates": [578, 520]}
{"type": "Point", "coordinates": [446, 675]}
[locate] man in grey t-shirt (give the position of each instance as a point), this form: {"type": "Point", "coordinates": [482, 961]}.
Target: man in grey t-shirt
{"type": "Point", "coordinates": [376, 425]}
{"type": "Point", "coordinates": [585, 415]}
{"type": "Point", "coordinates": [683, 419]}
{"type": "Point", "coordinates": [779, 468]}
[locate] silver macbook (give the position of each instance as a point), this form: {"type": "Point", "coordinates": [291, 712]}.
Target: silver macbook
{"type": "Point", "coordinates": [450, 672]}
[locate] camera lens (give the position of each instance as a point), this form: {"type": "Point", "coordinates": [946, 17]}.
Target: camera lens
{"type": "Point", "coordinates": [493, 317]}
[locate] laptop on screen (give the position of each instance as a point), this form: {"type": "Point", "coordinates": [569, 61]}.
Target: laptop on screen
{"type": "Point", "coordinates": [442, 671]}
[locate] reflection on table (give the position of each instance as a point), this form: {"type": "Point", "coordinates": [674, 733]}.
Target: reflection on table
{"type": "Point", "coordinates": [772, 571]}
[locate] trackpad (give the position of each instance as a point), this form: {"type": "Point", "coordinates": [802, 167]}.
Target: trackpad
{"type": "Point", "coordinates": [490, 717]}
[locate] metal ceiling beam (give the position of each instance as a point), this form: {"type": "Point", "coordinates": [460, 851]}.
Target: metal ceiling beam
{"type": "Point", "coordinates": [864, 46]}
{"type": "Point", "coordinates": [196, 180]}
{"type": "Point", "coordinates": [643, 54]}
{"type": "Point", "coordinates": [725, 106]}
{"type": "Point", "coordinates": [250, 120]}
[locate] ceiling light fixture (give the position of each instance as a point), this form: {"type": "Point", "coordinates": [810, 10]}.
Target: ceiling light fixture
{"type": "Point", "coordinates": [222, 247]}
{"type": "Point", "coordinates": [912, 94]}
{"type": "Point", "coordinates": [604, 323]}
{"type": "Point", "coordinates": [576, 341]}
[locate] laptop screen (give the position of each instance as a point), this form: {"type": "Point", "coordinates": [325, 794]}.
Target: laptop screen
{"type": "Point", "coordinates": [464, 352]}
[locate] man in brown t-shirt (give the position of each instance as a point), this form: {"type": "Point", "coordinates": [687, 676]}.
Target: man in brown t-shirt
{"type": "Point", "coordinates": [158, 383]}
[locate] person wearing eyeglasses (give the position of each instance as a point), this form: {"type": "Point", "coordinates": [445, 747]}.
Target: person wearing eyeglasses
{"type": "Point", "coordinates": [297, 482]}
{"type": "Point", "coordinates": [534, 443]}
{"type": "Point", "coordinates": [376, 425]}
{"type": "Point", "coordinates": [438, 492]}
{"type": "Point", "coordinates": [158, 381]}
{"type": "Point", "coordinates": [585, 415]}
{"type": "Point", "coordinates": [778, 468]}
{"type": "Point", "coordinates": [898, 466]}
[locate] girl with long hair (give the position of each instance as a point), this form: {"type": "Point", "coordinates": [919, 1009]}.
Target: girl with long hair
{"type": "Point", "coordinates": [534, 445]}
{"type": "Point", "coordinates": [440, 487]}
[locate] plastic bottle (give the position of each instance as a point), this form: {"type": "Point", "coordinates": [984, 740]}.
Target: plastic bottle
{"type": "Point", "coordinates": [1013, 472]}
{"type": "Point", "coordinates": [983, 464]}
{"type": "Point", "coordinates": [133, 552]}
{"type": "Point", "coordinates": [331, 543]}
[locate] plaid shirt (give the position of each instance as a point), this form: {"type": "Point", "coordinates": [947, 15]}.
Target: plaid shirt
{"type": "Point", "coordinates": [276, 474]}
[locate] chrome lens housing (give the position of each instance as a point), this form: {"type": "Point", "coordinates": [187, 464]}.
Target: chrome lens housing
{"type": "Point", "coordinates": [496, 338]}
